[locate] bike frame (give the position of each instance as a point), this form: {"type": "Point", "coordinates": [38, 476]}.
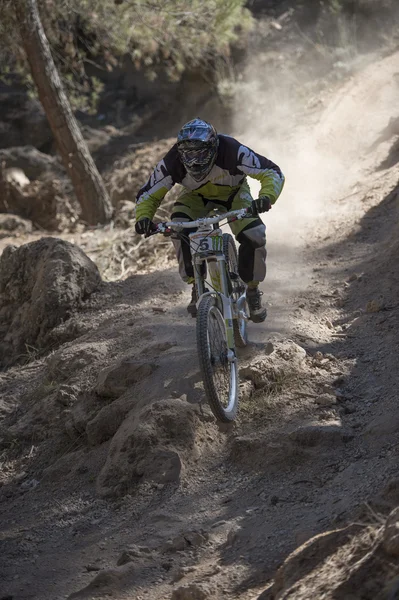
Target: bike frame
{"type": "Point", "coordinates": [216, 262]}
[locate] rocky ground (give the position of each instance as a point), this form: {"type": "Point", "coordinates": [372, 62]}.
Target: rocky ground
{"type": "Point", "coordinates": [116, 481]}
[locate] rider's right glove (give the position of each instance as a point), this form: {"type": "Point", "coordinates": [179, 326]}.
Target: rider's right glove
{"type": "Point", "coordinates": [263, 204]}
{"type": "Point", "coordinates": [143, 226]}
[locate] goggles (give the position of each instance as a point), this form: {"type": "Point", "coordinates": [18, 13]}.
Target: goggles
{"type": "Point", "coordinates": [195, 154]}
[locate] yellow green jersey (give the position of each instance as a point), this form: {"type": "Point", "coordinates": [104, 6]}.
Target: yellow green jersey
{"type": "Point", "coordinates": [234, 162]}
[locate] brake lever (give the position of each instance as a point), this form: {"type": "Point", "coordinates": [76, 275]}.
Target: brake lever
{"type": "Point", "coordinates": [153, 231]}
{"type": "Point", "coordinates": [156, 228]}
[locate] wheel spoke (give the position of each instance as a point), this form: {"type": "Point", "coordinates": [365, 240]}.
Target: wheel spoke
{"type": "Point", "coordinates": [217, 348]}
{"type": "Point", "coordinates": [219, 374]}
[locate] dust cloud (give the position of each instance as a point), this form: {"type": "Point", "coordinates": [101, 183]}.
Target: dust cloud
{"type": "Point", "coordinates": [324, 153]}
{"type": "Point", "coordinates": [321, 140]}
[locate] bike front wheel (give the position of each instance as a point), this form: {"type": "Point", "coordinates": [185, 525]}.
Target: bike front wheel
{"type": "Point", "coordinates": [220, 375]}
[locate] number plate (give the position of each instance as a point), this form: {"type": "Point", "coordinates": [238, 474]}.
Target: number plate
{"type": "Point", "coordinates": [206, 243]}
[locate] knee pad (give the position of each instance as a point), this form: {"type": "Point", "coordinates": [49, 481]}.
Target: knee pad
{"type": "Point", "coordinates": [254, 235]}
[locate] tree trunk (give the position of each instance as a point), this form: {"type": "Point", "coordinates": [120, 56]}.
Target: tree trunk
{"type": "Point", "coordinates": [87, 182]}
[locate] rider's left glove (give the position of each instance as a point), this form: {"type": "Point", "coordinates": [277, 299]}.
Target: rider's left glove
{"type": "Point", "coordinates": [143, 226]}
{"type": "Point", "coordinates": [263, 204]}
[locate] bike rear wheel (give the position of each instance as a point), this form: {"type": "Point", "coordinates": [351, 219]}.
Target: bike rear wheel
{"type": "Point", "coordinates": [220, 376]}
{"type": "Point", "coordinates": [238, 289]}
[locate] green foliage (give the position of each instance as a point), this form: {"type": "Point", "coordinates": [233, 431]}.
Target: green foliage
{"type": "Point", "coordinates": [167, 36]}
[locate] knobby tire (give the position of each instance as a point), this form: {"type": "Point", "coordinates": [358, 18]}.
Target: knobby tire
{"type": "Point", "coordinates": [220, 376]}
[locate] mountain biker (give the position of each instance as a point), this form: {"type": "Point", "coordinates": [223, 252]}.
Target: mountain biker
{"type": "Point", "coordinates": [213, 168]}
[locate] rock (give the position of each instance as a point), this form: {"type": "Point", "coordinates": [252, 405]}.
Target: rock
{"type": "Point", "coordinates": [72, 358]}
{"type": "Point", "coordinates": [190, 592]}
{"type": "Point", "coordinates": [262, 372]}
{"type": "Point", "coordinates": [182, 572]}
{"type": "Point", "coordinates": [77, 417]}
{"type": "Point", "coordinates": [15, 224]}
{"type": "Point", "coordinates": [233, 536]}
{"type": "Point", "coordinates": [32, 185]}
{"type": "Point", "coordinates": [305, 559]}
{"type": "Point", "coordinates": [125, 557]}
{"type": "Point", "coordinates": [107, 421]}
{"type": "Point", "coordinates": [286, 357]}
{"type": "Point", "coordinates": [390, 540]}
{"type": "Point", "coordinates": [165, 466]}
{"type": "Point", "coordinates": [41, 284]}
{"type": "Point", "coordinates": [29, 484]}
{"type": "Point", "coordinates": [15, 175]}
{"type": "Point", "coordinates": [115, 380]}
{"type": "Point", "coordinates": [107, 582]}
{"type": "Point", "coordinates": [92, 568]}
{"type": "Point", "coordinates": [247, 389]}
{"type": "Point", "coordinates": [31, 162]}
{"type": "Point", "coordinates": [325, 400]}
{"type": "Point", "coordinates": [317, 434]}
{"type": "Point", "coordinates": [353, 277]}
{"type": "Point", "coordinates": [176, 545]}
{"type": "Point", "coordinates": [133, 552]}
{"type": "Point", "coordinates": [291, 352]}
{"type": "Point", "coordinates": [349, 408]}
{"type": "Point", "coordinates": [373, 306]}
{"type": "Point", "coordinates": [43, 202]}
{"type": "Point", "coordinates": [269, 348]}
{"type": "Point", "coordinates": [190, 539]}
{"type": "Point", "coordinates": [66, 395]}
{"type": "Point", "coordinates": [148, 446]}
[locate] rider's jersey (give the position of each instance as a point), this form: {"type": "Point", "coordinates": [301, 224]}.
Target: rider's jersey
{"type": "Point", "coordinates": [233, 163]}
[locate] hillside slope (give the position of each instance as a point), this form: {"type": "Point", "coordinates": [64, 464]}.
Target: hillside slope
{"type": "Point", "coordinates": [111, 463]}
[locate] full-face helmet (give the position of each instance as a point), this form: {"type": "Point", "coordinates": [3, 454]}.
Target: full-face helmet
{"type": "Point", "coordinates": [197, 144]}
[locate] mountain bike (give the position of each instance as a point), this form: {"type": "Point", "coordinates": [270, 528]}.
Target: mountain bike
{"type": "Point", "coordinates": [222, 311]}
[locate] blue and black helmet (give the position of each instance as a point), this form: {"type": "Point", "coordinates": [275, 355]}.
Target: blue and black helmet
{"type": "Point", "coordinates": [197, 143]}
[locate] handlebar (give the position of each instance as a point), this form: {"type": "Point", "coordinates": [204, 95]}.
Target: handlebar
{"type": "Point", "coordinates": [233, 215]}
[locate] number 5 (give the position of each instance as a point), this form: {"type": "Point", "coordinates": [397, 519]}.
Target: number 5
{"type": "Point", "coordinates": [204, 245]}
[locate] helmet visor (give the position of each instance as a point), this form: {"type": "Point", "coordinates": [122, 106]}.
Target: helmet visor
{"type": "Point", "coordinates": [196, 153]}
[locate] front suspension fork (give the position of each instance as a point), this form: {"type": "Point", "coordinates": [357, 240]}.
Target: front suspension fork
{"type": "Point", "coordinates": [223, 299]}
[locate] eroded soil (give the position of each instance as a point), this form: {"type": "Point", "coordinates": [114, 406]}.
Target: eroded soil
{"type": "Point", "coordinates": [214, 510]}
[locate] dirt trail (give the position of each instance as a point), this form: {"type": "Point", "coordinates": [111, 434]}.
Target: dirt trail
{"type": "Point", "coordinates": [323, 166]}
{"type": "Point", "coordinates": [293, 466]}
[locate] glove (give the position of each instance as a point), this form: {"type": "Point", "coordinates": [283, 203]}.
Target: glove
{"type": "Point", "coordinates": [143, 226]}
{"type": "Point", "coordinates": [262, 204]}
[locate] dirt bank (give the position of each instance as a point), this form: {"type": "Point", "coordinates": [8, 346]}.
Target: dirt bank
{"type": "Point", "coordinates": [115, 475]}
